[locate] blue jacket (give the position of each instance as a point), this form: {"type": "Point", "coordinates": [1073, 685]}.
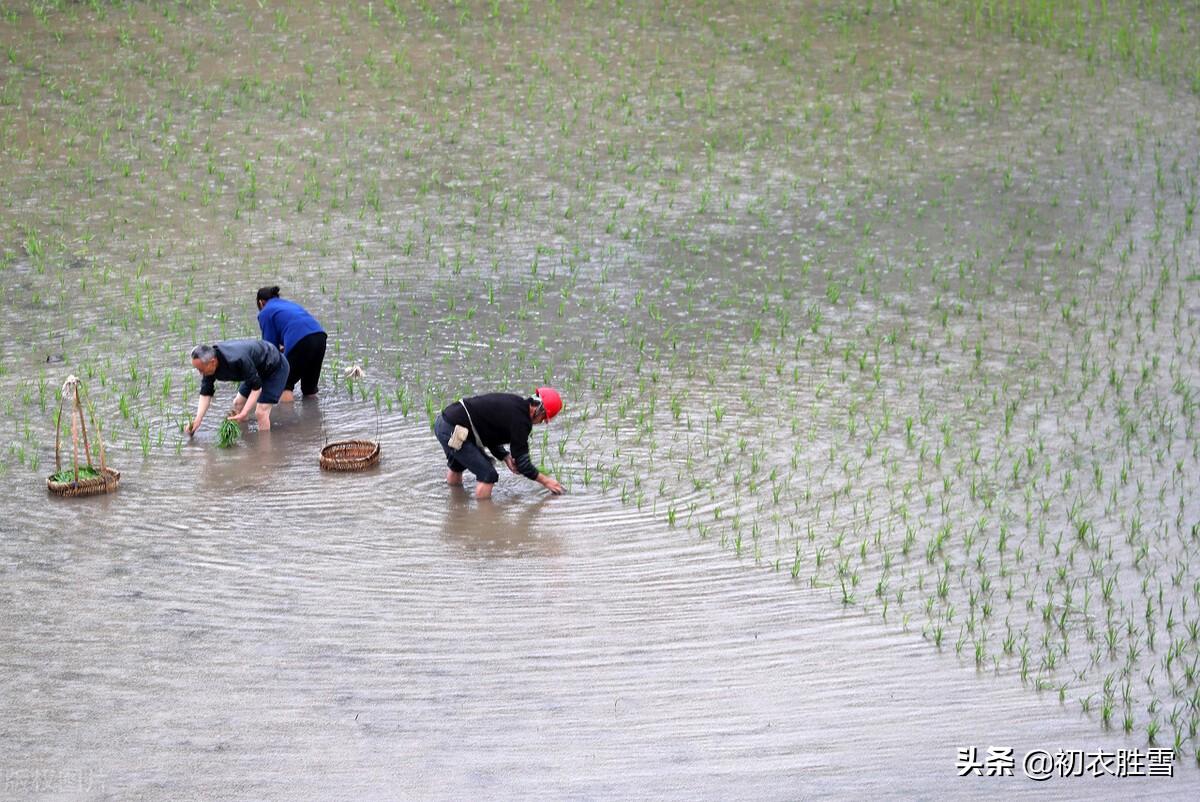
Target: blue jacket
{"type": "Point", "coordinates": [287, 322]}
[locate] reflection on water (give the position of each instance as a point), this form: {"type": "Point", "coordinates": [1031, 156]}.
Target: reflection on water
{"type": "Point", "coordinates": [499, 526]}
{"type": "Point", "coordinates": [307, 412]}
{"type": "Point", "coordinates": [252, 461]}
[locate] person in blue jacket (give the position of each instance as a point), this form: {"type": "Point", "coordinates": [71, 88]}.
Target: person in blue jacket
{"type": "Point", "coordinates": [298, 334]}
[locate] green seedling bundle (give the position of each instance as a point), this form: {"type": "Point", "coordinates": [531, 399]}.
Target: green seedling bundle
{"type": "Point", "coordinates": [70, 475]}
{"type": "Point", "coordinates": [228, 433]}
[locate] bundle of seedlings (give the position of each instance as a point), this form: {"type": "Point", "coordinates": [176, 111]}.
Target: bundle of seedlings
{"type": "Point", "coordinates": [228, 433]}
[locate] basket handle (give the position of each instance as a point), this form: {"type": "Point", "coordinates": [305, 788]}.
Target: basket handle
{"type": "Point", "coordinates": [87, 448]}
{"type": "Point", "coordinates": [99, 441]}
{"type": "Point", "coordinates": [58, 432]}
{"type": "Point", "coordinates": [73, 387]}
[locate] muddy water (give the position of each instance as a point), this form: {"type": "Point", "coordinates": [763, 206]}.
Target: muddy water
{"type": "Point", "coordinates": [242, 625]}
{"type": "Point", "coordinates": [878, 348]}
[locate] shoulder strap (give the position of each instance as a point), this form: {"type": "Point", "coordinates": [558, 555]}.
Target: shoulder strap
{"type": "Point", "coordinates": [474, 433]}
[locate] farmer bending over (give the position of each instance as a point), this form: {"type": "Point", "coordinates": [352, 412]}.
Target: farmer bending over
{"type": "Point", "coordinates": [257, 364]}
{"type": "Point", "coordinates": [492, 420]}
{"type": "Point", "coordinates": [298, 335]}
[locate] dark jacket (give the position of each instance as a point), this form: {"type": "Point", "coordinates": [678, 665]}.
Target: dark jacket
{"type": "Point", "coordinates": [499, 419]}
{"type": "Point", "coordinates": [242, 361]}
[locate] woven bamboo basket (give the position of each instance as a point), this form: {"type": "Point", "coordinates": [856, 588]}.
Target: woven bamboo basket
{"type": "Point", "coordinates": [108, 478]}
{"type": "Point", "coordinates": [350, 455]}
{"type": "Point", "coordinates": [94, 486]}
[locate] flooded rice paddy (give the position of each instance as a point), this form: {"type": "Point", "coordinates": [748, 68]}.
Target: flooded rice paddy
{"type": "Point", "coordinates": [877, 329]}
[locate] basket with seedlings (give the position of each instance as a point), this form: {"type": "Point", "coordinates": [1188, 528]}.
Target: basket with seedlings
{"type": "Point", "coordinates": [352, 455]}
{"type": "Point", "coordinates": [90, 478]}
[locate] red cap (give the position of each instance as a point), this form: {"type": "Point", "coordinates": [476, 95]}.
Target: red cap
{"type": "Point", "coordinates": [550, 401]}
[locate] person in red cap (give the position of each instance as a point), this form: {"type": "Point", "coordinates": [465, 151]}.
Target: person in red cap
{"type": "Point", "coordinates": [492, 421]}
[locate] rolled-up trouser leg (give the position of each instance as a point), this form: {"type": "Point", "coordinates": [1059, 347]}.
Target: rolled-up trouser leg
{"type": "Point", "coordinates": [273, 384]}
{"type": "Point", "coordinates": [469, 457]}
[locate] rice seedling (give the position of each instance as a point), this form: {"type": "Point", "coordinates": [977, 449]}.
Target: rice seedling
{"type": "Point", "coordinates": [228, 433]}
{"type": "Point", "coordinates": [70, 474]}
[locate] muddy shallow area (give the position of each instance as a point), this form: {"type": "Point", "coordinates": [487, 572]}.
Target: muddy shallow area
{"type": "Point", "coordinates": [877, 330]}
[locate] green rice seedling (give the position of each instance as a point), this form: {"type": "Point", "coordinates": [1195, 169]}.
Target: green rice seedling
{"type": "Point", "coordinates": [69, 474]}
{"type": "Point", "coordinates": [228, 433]}
{"type": "Point", "coordinates": [1152, 730]}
